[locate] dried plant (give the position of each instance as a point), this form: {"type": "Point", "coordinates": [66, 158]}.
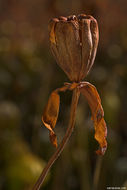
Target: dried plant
{"type": "Point", "coordinates": [74, 42]}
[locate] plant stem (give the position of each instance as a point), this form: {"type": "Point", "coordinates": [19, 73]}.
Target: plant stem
{"type": "Point", "coordinates": [97, 173]}
{"type": "Point", "coordinates": [60, 148]}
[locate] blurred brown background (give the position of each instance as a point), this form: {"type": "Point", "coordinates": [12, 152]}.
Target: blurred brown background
{"type": "Point", "coordinates": [28, 74]}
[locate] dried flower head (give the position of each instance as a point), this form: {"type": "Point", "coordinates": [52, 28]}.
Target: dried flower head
{"type": "Point", "coordinates": [74, 42]}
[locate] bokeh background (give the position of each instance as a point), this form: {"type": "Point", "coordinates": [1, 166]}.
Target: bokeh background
{"type": "Point", "coordinates": [28, 74]}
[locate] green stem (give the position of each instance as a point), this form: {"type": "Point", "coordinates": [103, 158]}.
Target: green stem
{"type": "Point", "coordinates": [60, 148]}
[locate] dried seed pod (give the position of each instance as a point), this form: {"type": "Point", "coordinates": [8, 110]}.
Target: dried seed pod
{"type": "Point", "coordinates": [74, 42]}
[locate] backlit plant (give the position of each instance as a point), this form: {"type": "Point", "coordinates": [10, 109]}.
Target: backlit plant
{"type": "Point", "coordinates": [74, 42]}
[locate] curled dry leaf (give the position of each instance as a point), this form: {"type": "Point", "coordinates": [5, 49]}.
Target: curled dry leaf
{"type": "Point", "coordinates": [94, 101]}
{"type": "Point", "coordinates": [50, 115]}
{"type": "Point", "coordinates": [51, 110]}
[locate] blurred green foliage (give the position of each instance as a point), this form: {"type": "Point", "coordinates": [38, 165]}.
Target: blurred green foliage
{"type": "Point", "coordinates": [28, 74]}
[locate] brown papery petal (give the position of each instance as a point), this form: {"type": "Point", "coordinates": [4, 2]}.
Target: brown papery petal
{"type": "Point", "coordinates": [51, 111]}
{"type": "Point", "coordinates": [95, 39]}
{"type": "Point", "coordinates": [51, 28]}
{"type": "Point", "coordinates": [68, 48]}
{"type": "Point", "coordinates": [94, 101]}
{"type": "Point", "coordinates": [86, 40]}
{"type": "Point", "coordinates": [50, 115]}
